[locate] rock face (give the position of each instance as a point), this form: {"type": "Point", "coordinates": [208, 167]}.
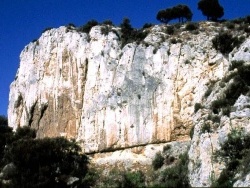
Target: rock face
{"type": "Point", "coordinates": [88, 87]}
{"type": "Point", "coordinates": [91, 88]}
{"type": "Point", "coordinates": [203, 166]}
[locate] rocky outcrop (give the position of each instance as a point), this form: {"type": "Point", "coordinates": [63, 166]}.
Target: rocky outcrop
{"type": "Point", "coordinates": [109, 97]}
{"type": "Point", "coordinates": [204, 167]}
{"type": "Point", "coordinates": [88, 87]}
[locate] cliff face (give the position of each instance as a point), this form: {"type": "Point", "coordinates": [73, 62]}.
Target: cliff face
{"type": "Point", "coordinates": [89, 87]}
{"type": "Point", "coordinates": [220, 120]}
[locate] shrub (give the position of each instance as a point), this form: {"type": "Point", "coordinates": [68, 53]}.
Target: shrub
{"type": "Point", "coordinates": [208, 91]}
{"type": "Point", "coordinates": [3, 121]}
{"type": "Point", "coordinates": [5, 135]}
{"type": "Point", "coordinates": [230, 25]}
{"type": "Point", "coordinates": [87, 27]}
{"type": "Point", "coordinates": [191, 133]}
{"type": "Point", "coordinates": [158, 161]}
{"type": "Point", "coordinates": [71, 25]}
{"type": "Point", "coordinates": [170, 30]}
{"type": "Point", "coordinates": [219, 103]}
{"type": "Point", "coordinates": [24, 132]}
{"type": "Point", "coordinates": [206, 128]}
{"type": "Point", "coordinates": [191, 26]}
{"type": "Point", "coordinates": [108, 22]}
{"type": "Point", "coordinates": [225, 42]}
{"type": "Point", "coordinates": [173, 41]}
{"type": "Point", "coordinates": [177, 175]}
{"type": "Point", "coordinates": [129, 34]}
{"type": "Point", "coordinates": [46, 162]}
{"type": "Point", "coordinates": [214, 118]}
{"type": "Point", "coordinates": [197, 107]}
{"type": "Point", "coordinates": [91, 178]}
{"type": "Point", "coordinates": [147, 25]}
{"type": "Point", "coordinates": [235, 152]}
{"type": "Point", "coordinates": [236, 64]}
{"type": "Point", "coordinates": [47, 29]}
{"type": "Point", "coordinates": [133, 179]}
{"type": "Point", "coordinates": [166, 148]}
{"type": "Point", "coordinates": [187, 61]}
{"type": "Point", "coordinates": [104, 30]}
{"type": "Point", "coordinates": [226, 110]}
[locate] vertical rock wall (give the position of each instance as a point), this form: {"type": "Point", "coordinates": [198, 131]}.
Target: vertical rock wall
{"type": "Point", "coordinates": [86, 86]}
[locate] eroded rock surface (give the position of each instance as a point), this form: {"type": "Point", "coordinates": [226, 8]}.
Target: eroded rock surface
{"type": "Point", "coordinates": [89, 88]}
{"type": "Point", "coordinates": [109, 97]}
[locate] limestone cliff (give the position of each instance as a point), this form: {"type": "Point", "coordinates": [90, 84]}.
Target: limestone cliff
{"type": "Point", "coordinates": [91, 88]}
{"type": "Point", "coordinates": [221, 119]}
{"type": "Point", "coordinates": [88, 87]}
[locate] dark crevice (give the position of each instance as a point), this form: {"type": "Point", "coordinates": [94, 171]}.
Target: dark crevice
{"type": "Point", "coordinates": [111, 149]}
{"type": "Point", "coordinates": [32, 110]}
{"type": "Point", "coordinates": [43, 109]}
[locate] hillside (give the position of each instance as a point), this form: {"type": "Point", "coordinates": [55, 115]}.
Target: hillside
{"type": "Point", "coordinates": [124, 100]}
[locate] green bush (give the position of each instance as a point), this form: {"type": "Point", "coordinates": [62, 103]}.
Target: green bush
{"type": "Point", "coordinates": [108, 22]}
{"type": "Point", "coordinates": [70, 25]}
{"type": "Point", "coordinates": [47, 29]}
{"type": "Point", "coordinates": [230, 25]}
{"type": "Point", "coordinates": [208, 92]}
{"type": "Point", "coordinates": [166, 148]}
{"type": "Point", "coordinates": [129, 34]}
{"type": "Point", "coordinates": [87, 27]}
{"type": "Point", "coordinates": [239, 85]}
{"type": "Point", "coordinates": [147, 25]}
{"type": "Point", "coordinates": [134, 179]}
{"type": "Point", "coordinates": [225, 42]}
{"type": "Point", "coordinates": [236, 64]}
{"type": "Point", "coordinates": [214, 118]}
{"type": "Point", "coordinates": [5, 135]}
{"type": "Point", "coordinates": [3, 121]}
{"type": "Point", "coordinates": [235, 152]}
{"type": "Point", "coordinates": [173, 41]}
{"type": "Point", "coordinates": [177, 175]}
{"type": "Point", "coordinates": [206, 127]}
{"type": "Point", "coordinates": [191, 133]}
{"type": "Point", "coordinates": [170, 30]}
{"type": "Point", "coordinates": [197, 107]}
{"type": "Point", "coordinates": [158, 161]}
{"type": "Point", "coordinates": [104, 30]}
{"type": "Point", "coordinates": [47, 162]}
{"type": "Point", "coordinates": [191, 26]}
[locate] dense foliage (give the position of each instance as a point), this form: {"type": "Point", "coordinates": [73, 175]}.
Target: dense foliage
{"type": "Point", "coordinates": [158, 161]}
{"type": "Point", "coordinates": [239, 84]}
{"type": "Point", "coordinates": [226, 42]}
{"type": "Point", "coordinates": [211, 9]}
{"type": "Point", "coordinates": [181, 12]}
{"type": "Point", "coordinates": [176, 175]}
{"type": "Point", "coordinates": [87, 27]}
{"type": "Point", "coordinates": [235, 151]}
{"type": "Point", "coordinates": [48, 162]}
{"type": "Point", "coordinates": [129, 34]}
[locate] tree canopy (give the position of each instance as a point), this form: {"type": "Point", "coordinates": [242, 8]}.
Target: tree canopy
{"type": "Point", "coordinates": [49, 162]}
{"type": "Point", "coordinates": [211, 9]}
{"type": "Point", "coordinates": [182, 12]}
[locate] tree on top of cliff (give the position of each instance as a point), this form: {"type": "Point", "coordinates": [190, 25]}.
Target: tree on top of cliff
{"type": "Point", "coordinates": [180, 11]}
{"type": "Point", "coordinates": [87, 27]}
{"type": "Point", "coordinates": [211, 9]}
{"type": "Point", "coordinates": [129, 34]}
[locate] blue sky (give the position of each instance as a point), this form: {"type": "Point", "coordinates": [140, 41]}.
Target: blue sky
{"type": "Point", "coordinates": [22, 21]}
